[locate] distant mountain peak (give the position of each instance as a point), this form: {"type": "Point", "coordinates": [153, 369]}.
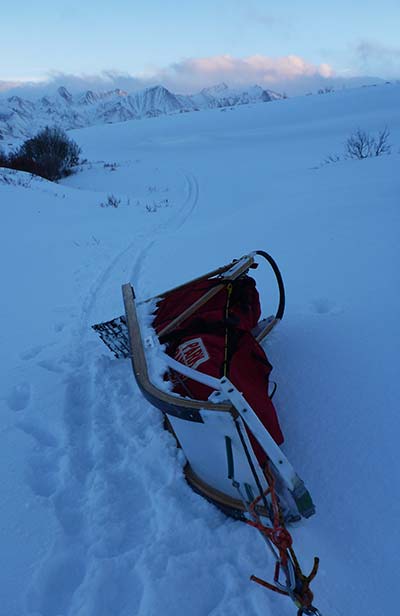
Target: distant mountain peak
{"type": "Point", "coordinates": [158, 88]}
{"type": "Point", "coordinates": [90, 97]}
{"type": "Point", "coordinates": [120, 92]}
{"type": "Point", "coordinates": [63, 92]}
{"type": "Point", "coordinates": [22, 117]}
{"type": "Point", "coordinates": [219, 88]}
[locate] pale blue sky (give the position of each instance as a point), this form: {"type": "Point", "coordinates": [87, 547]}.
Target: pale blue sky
{"type": "Point", "coordinates": [89, 36]}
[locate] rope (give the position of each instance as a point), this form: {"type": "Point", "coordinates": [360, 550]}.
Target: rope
{"type": "Point", "coordinates": [280, 537]}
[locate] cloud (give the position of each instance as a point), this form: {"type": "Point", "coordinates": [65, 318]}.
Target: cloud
{"type": "Point", "coordinates": [291, 74]}
{"type": "Point", "coordinates": [193, 74]}
{"type": "Point", "coordinates": [106, 80]}
{"type": "Point", "coordinates": [376, 57]}
{"type": "Point", "coordinates": [196, 73]}
{"type": "Point", "coordinates": [8, 85]}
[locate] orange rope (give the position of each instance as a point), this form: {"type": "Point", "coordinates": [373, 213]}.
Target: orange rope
{"type": "Point", "coordinates": [280, 537]}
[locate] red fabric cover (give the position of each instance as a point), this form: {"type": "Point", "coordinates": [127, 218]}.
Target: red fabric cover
{"type": "Point", "coordinates": [199, 342]}
{"type": "Point", "coordinates": [249, 371]}
{"type": "Point", "coordinates": [244, 305]}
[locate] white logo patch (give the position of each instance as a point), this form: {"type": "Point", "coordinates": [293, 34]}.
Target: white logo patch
{"type": "Point", "coordinates": [192, 353]}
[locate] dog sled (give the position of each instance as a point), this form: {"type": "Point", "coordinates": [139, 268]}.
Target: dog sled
{"type": "Point", "coordinates": [196, 355]}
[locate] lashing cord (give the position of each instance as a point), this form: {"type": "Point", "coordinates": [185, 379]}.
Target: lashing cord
{"type": "Point", "coordinates": [297, 585]}
{"type": "Point", "coordinates": [280, 537]}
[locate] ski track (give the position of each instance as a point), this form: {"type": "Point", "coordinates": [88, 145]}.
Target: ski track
{"type": "Point", "coordinates": [192, 199]}
{"type": "Point", "coordinates": [89, 479]}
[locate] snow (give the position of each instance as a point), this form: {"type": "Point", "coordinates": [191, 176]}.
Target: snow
{"type": "Point", "coordinates": [96, 518]}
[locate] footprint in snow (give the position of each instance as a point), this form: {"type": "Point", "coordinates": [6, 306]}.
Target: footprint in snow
{"type": "Point", "coordinates": [56, 582]}
{"type": "Point", "coordinates": [69, 506]}
{"type": "Point", "coordinates": [50, 365]}
{"type": "Point", "coordinates": [116, 588]}
{"type": "Point", "coordinates": [19, 396]}
{"type": "Point", "coordinates": [43, 437]}
{"type": "Point", "coordinates": [31, 353]}
{"type": "Point", "coordinates": [42, 473]}
{"type": "Point", "coordinates": [121, 513]}
{"type": "Point", "coordinates": [42, 467]}
{"type": "Point", "coordinates": [323, 305]}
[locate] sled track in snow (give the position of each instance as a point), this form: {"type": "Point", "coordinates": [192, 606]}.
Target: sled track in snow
{"type": "Point", "coordinates": [186, 210]}
{"type": "Point", "coordinates": [191, 200]}
{"type": "Point", "coordinates": [107, 428]}
{"type": "Point", "coordinates": [92, 296]}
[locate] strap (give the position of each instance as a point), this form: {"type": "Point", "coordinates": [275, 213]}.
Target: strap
{"type": "Point", "coordinates": [225, 366]}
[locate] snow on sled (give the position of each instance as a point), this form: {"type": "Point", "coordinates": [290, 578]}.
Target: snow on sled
{"type": "Point", "coordinates": [196, 356]}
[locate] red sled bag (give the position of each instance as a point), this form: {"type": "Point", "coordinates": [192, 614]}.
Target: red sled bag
{"type": "Point", "coordinates": [217, 341]}
{"type": "Point", "coordinates": [240, 295]}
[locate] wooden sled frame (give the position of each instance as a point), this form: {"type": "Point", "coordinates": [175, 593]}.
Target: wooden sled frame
{"type": "Point", "coordinates": [173, 404]}
{"type": "Point", "coordinates": [232, 401]}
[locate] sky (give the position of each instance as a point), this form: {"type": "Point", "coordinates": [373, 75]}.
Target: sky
{"type": "Point", "coordinates": [188, 45]}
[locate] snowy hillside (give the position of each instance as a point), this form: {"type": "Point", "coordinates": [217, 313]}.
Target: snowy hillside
{"type": "Point", "coordinates": [21, 117]}
{"type": "Point", "coordinates": [96, 517]}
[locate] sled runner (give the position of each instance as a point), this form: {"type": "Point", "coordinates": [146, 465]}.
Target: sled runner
{"type": "Point", "coordinates": [196, 356]}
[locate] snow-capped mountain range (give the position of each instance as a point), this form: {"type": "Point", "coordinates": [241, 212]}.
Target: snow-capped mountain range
{"type": "Point", "coordinates": [22, 117]}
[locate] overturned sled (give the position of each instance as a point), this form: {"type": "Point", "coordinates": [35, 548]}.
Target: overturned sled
{"type": "Point", "coordinates": [196, 355]}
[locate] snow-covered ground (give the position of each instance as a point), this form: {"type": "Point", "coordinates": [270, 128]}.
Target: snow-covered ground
{"type": "Point", "coordinates": [96, 518]}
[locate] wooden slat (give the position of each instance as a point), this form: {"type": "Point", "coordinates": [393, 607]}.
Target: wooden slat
{"type": "Point", "coordinates": [215, 495]}
{"type": "Point", "coordinates": [238, 271]}
{"type": "Point", "coordinates": [212, 274]}
{"type": "Point", "coordinates": [190, 310]}
{"type": "Point", "coordinates": [267, 329]}
{"type": "Point", "coordinates": [139, 364]}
